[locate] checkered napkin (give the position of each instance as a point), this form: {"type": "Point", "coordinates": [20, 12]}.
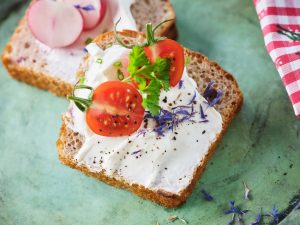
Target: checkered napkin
{"type": "Point", "coordinates": [280, 24]}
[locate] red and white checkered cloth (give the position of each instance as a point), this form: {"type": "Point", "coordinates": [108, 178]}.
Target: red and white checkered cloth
{"type": "Point", "coordinates": [280, 24]}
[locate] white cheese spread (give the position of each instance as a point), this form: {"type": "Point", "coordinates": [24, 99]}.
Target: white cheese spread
{"type": "Point", "coordinates": [156, 162]}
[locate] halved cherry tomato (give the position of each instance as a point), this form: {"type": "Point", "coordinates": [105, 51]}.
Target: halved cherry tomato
{"type": "Point", "coordinates": [168, 49]}
{"type": "Point", "coordinates": [116, 109]}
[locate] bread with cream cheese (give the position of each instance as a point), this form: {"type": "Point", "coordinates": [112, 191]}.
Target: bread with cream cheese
{"type": "Point", "coordinates": [202, 71]}
{"type": "Point", "coordinates": [26, 61]}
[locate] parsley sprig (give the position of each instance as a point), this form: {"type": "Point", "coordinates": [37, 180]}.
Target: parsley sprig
{"type": "Point", "coordinates": [151, 78]}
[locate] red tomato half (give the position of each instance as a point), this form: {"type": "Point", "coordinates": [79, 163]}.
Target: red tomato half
{"type": "Point", "coordinates": [172, 50]}
{"type": "Point", "coordinates": [116, 109]}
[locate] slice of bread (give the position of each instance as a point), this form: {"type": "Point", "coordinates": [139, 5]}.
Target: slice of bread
{"type": "Point", "coordinates": [26, 61]}
{"type": "Point", "coordinates": [202, 71]}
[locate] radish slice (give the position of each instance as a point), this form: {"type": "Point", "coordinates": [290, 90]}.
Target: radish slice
{"type": "Point", "coordinates": [103, 9]}
{"type": "Point", "coordinates": [54, 23]}
{"type": "Point", "coordinates": [92, 11]}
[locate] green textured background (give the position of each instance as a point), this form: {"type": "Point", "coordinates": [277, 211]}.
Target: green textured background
{"type": "Point", "coordinates": [261, 147]}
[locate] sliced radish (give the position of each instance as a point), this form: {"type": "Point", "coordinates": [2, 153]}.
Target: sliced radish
{"type": "Point", "coordinates": [103, 9]}
{"type": "Point", "coordinates": [92, 11]}
{"type": "Point", "coordinates": [54, 23]}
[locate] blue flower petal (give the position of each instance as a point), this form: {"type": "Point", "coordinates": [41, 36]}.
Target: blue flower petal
{"type": "Point", "coordinates": [180, 84]}
{"type": "Point", "coordinates": [202, 114]}
{"type": "Point", "coordinates": [207, 196]}
{"type": "Point", "coordinates": [88, 7]}
{"type": "Point", "coordinates": [257, 220]}
{"type": "Point", "coordinates": [235, 210]}
{"type": "Point", "coordinates": [193, 99]}
{"type": "Point", "coordinates": [216, 99]}
{"type": "Point", "coordinates": [207, 92]}
{"type": "Point", "coordinates": [275, 214]}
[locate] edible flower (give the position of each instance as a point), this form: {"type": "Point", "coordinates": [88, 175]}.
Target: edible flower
{"type": "Point", "coordinates": [207, 196]}
{"type": "Point", "coordinates": [193, 99]}
{"type": "Point", "coordinates": [211, 95]}
{"type": "Point", "coordinates": [180, 84]}
{"type": "Point", "coordinates": [235, 210]}
{"type": "Point", "coordinates": [257, 222]}
{"type": "Point", "coordinates": [136, 152]}
{"type": "Point", "coordinates": [275, 214]}
{"type": "Point", "coordinates": [169, 120]}
{"type": "Point", "coordinates": [202, 114]}
{"type": "Point", "coordinates": [88, 7]}
{"type": "Point", "coordinates": [141, 132]}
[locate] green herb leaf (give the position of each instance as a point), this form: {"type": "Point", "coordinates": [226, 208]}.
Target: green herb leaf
{"type": "Point", "coordinates": [99, 61]}
{"type": "Point", "coordinates": [151, 78]}
{"type": "Point", "coordinates": [117, 64]}
{"type": "Point", "coordinates": [81, 81]}
{"type": "Point", "coordinates": [88, 40]}
{"type": "Point", "coordinates": [187, 60]}
{"type": "Point", "coordinates": [162, 72]}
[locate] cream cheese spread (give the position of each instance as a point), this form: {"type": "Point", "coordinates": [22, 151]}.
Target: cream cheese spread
{"type": "Point", "coordinates": [157, 162]}
{"type": "Point", "coordinates": [63, 62]}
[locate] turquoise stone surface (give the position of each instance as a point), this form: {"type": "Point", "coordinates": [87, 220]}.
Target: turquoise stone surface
{"type": "Point", "coordinates": [261, 147]}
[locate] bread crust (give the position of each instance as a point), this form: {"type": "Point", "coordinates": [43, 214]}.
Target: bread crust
{"type": "Point", "coordinates": [38, 79]}
{"type": "Point", "coordinates": [45, 81]}
{"type": "Point", "coordinates": [29, 75]}
{"type": "Point", "coordinates": [161, 197]}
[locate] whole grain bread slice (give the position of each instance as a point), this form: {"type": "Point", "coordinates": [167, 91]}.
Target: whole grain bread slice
{"type": "Point", "coordinates": [25, 60]}
{"type": "Point", "coordinates": [202, 71]}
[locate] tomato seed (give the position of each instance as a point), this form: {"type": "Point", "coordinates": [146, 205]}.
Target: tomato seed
{"type": "Point", "coordinates": [112, 96]}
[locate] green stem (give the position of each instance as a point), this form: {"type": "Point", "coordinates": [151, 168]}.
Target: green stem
{"type": "Point", "coordinates": [118, 39]}
{"type": "Point", "coordinates": [80, 106]}
{"type": "Point", "coordinates": [127, 79]}
{"type": "Point", "coordinates": [161, 23]}
{"type": "Point", "coordinates": [150, 34]}
{"type": "Point", "coordinates": [83, 87]}
{"type": "Point", "coordinates": [86, 103]}
{"type": "Point", "coordinates": [140, 70]}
